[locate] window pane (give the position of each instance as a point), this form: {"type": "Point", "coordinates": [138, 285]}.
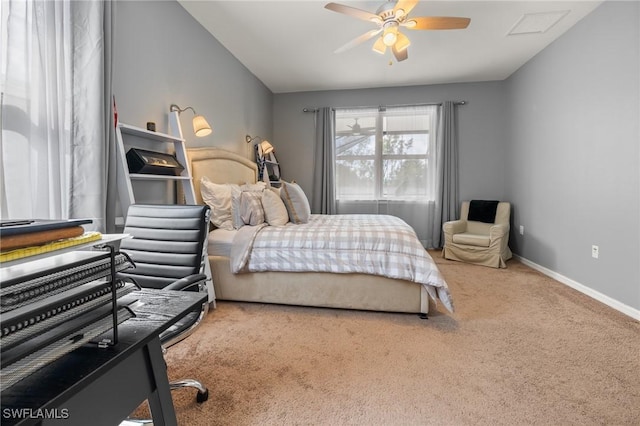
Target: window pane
{"type": "Point", "coordinates": [406, 122]}
{"type": "Point", "coordinates": [355, 124]}
{"type": "Point", "coordinates": [405, 179]}
{"type": "Point", "coordinates": [355, 179]}
{"type": "Point", "coordinates": [355, 145]}
{"type": "Point", "coordinates": [403, 144]}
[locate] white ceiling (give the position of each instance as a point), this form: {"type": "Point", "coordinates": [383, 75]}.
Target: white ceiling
{"type": "Point", "coordinates": [289, 45]}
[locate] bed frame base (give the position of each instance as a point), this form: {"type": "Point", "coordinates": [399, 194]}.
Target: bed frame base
{"type": "Point", "coordinates": [324, 290]}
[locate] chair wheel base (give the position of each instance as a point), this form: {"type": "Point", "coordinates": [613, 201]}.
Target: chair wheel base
{"type": "Point", "coordinates": [202, 396]}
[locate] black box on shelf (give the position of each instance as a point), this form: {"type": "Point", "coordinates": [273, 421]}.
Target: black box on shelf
{"type": "Point", "coordinates": [155, 163]}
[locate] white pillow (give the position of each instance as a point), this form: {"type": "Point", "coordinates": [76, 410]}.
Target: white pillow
{"type": "Point", "coordinates": [251, 210]}
{"type": "Point", "coordinates": [296, 202]}
{"type": "Point", "coordinates": [218, 197]}
{"type": "Point", "coordinates": [256, 187]}
{"type": "Point", "coordinates": [275, 212]}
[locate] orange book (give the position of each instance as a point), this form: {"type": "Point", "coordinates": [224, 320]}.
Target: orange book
{"type": "Point", "coordinates": [12, 242]}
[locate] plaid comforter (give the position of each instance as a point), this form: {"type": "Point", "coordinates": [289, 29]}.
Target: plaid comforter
{"type": "Point", "coordinates": [369, 244]}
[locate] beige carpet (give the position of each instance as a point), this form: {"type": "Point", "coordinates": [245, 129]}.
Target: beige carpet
{"type": "Point", "coordinates": [520, 349]}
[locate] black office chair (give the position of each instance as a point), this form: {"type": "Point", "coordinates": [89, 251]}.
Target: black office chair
{"type": "Point", "coordinates": [168, 250]}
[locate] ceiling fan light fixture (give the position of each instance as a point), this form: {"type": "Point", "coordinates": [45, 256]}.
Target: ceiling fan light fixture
{"type": "Point", "coordinates": [390, 35]}
{"type": "Point", "coordinates": [403, 42]}
{"type": "Point", "coordinates": [379, 46]}
{"type": "Point", "coordinates": [389, 39]}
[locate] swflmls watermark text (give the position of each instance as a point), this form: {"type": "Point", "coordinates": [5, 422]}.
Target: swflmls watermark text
{"type": "Point", "coordinates": [32, 413]}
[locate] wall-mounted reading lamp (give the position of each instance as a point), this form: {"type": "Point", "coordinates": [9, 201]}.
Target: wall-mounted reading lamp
{"type": "Point", "coordinates": [200, 126]}
{"type": "Point", "coordinates": [264, 146]}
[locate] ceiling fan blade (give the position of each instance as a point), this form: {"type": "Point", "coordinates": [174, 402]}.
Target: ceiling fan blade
{"type": "Point", "coordinates": [436, 23]}
{"type": "Point", "coordinates": [400, 55]}
{"type": "Point", "coordinates": [356, 41]}
{"type": "Point", "coordinates": [352, 11]}
{"type": "Point", "coordinates": [406, 6]}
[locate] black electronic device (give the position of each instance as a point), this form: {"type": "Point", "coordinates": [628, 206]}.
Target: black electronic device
{"type": "Point", "coordinates": [150, 162]}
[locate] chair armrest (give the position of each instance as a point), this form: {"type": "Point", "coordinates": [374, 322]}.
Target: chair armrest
{"type": "Point", "coordinates": [498, 231]}
{"type": "Point", "coordinates": [499, 237]}
{"type": "Point", "coordinates": [454, 226]}
{"type": "Point", "coordinates": [190, 283]}
{"type": "Point", "coordinates": [186, 325]}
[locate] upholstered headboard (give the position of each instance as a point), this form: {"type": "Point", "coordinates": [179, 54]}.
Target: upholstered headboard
{"type": "Point", "coordinates": [220, 166]}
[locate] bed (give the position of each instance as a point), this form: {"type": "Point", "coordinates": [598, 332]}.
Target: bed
{"type": "Point", "coordinates": [361, 291]}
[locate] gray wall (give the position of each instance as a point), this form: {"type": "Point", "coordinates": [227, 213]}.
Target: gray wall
{"type": "Point", "coordinates": [164, 56]}
{"type": "Point", "coordinates": [573, 155]}
{"type": "Point", "coordinates": [482, 129]}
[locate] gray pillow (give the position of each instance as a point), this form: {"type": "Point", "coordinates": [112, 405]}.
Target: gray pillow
{"type": "Point", "coordinates": [296, 202]}
{"type": "Point", "coordinates": [251, 210]}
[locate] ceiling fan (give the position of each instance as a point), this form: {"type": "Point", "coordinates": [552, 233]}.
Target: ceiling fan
{"type": "Point", "coordinates": [357, 130]}
{"type": "Point", "coordinates": [389, 18]}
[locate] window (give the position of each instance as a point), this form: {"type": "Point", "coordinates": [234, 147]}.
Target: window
{"type": "Point", "coordinates": [384, 153]}
{"type": "Point", "coordinates": [55, 115]}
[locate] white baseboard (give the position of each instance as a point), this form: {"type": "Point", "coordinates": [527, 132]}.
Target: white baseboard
{"type": "Point", "coordinates": [618, 306]}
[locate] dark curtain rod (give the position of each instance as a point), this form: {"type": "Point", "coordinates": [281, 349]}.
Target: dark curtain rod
{"type": "Point", "coordinates": [386, 106]}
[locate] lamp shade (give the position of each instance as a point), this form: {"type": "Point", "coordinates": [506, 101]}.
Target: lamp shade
{"type": "Point", "coordinates": [379, 46]}
{"type": "Point", "coordinates": [266, 147]}
{"type": "Point", "coordinates": [200, 126]}
{"type": "Point", "coordinates": [403, 42]}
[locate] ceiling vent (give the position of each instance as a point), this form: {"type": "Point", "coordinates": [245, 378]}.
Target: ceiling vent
{"type": "Point", "coordinates": [536, 23]}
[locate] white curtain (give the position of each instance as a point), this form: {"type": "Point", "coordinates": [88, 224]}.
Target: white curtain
{"type": "Point", "coordinates": [53, 148]}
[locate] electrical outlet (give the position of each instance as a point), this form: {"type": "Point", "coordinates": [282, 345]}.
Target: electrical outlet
{"type": "Point", "coordinates": [521, 229]}
{"type": "Point", "coordinates": [595, 251]}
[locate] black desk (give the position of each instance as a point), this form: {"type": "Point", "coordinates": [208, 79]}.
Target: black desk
{"type": "Point", "coordinates": [92, 386]}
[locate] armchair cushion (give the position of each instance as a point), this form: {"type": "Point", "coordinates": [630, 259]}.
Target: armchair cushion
{"type": "Point", "coordinates": [472, 239]}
